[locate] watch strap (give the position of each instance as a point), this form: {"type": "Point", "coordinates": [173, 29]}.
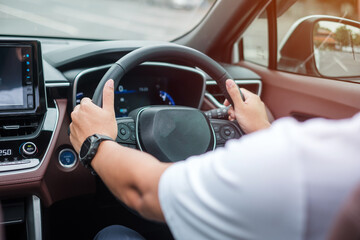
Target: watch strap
{"type": "Point", "coordinates": [95, 141]}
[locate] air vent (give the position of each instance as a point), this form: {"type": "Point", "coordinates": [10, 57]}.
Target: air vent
{"type": "Point", "coordinates": [215, 91]}
{"type": "Point", "coordinates": [20, 126]}
{"type": "Point", "coordinates": [251, 85]}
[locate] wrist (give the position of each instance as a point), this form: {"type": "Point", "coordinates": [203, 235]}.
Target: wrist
{"type": "Point", "coordinates": [255, 127]}
{"type": "Point", "coordinates": [104, 149]}
{"type": "Point", "coordinates": [89, 149]}
{"type": "Point", "coordinates": [263, 125]}
{"type": "Point", "coordinates": [266, 124]}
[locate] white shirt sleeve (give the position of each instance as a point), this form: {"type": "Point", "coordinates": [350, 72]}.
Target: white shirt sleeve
{"type": "Point", "coordinates": [251, 189]}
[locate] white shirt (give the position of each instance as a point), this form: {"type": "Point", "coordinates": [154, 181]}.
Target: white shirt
{"type": "Point", "coordinates": [286, 182]}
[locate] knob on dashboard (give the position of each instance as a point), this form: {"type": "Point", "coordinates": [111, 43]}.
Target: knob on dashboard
{"type": "Point", "coordinates": [28, 149]}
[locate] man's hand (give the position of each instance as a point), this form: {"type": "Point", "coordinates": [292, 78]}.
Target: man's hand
{"type": "Point", "coordinates": [250, 114]}
{"type": "Point", "coordinates": [88, 119]}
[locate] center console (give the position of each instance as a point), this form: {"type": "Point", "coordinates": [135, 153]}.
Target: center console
{"type": "Point", "coordinates": [22, 106]}
{"type": "Point", "coordinates": [27, 126]}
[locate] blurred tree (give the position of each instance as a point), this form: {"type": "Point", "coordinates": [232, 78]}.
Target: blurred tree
{"type": "Point", "coordinates": [348, 8]}
{"type": "Point", "coordinates": [356, 39]}
{"type": "Point", "coordinates": [338, 3]}
{"type": "Point", "coordinates": [343, 35]}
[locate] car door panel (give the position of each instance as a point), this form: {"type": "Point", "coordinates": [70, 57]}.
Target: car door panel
{"type": "Point", "coordinates": [304, 97]}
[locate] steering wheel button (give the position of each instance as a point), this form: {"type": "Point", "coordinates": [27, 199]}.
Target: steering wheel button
{"type": "Point", "coordinates": [219, 139]}
{"type": "Point", "coordinates": [227, 132]}
{"type": "Point", "coordinates": [216, 127]}
{"type": "Point", "coordinates": [132, 137]}
{"type": "Point", "coordinates": [131, 126]}
{"type": "Point", "coordinates": [124, 132]}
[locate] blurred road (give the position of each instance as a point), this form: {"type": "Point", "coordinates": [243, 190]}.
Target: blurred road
{"type": "Point", "coordinates": [338, 64]}
{"type": "Point", "coordinates": [98, 19]}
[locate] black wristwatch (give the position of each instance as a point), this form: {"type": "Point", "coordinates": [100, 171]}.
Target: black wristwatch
{"type": "Point", "coordinates": [89, 149]}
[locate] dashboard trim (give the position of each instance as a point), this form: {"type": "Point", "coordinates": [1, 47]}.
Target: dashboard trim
{"type": "Point", "coordinates": [34, 222]}
{"type": "Point", "coordinates": [137, 128]}
{"type": "Point", "coordinates": [53, 85]}
{"type": "Point", "coordinates": [82, 73]}
{"type": "Point", "coordinates": [241, 82]}
{"type": "Point", "coordinates": [213, 100]}
{"type": "Point", "coordinates": [28, 163]}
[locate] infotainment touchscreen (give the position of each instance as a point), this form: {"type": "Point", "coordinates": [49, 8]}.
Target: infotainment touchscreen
{"type": "Point", "coordinates": [16, 90]}
{"type": "Point", "coordinates": [20, 77]}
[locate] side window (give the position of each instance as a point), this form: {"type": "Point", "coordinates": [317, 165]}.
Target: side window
{"type": "Point", "coordinates": [328, 50]}
{"type": "Point", "coordinates": [255, 41]}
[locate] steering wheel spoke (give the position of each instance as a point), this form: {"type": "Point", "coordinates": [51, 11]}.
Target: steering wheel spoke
{"type": "Point", "coordinates": [126, 132]}
{"type": "Point", "coordinates": [225, 130]}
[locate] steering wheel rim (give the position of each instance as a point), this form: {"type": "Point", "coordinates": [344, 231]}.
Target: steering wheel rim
{"type": "Point", "coordinates": [164, 51]}
{"type": "Point", "coordinates": [164, 132]}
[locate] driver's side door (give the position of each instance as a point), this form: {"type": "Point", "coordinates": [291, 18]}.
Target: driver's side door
{"type": "Point", "coordinates": [295, 91]}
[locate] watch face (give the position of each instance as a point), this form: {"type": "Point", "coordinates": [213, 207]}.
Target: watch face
{"type": "Point", "coordinates": [85, 148]}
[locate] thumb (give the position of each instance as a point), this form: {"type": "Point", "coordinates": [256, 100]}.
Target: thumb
{"type": "Point", "coordinates": [108, 96]}
{"type": "Point", "coordinates": [234, 92]}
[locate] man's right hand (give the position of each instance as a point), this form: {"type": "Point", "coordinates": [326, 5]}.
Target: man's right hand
{"type": "Point", "coordinates": [250, 114]}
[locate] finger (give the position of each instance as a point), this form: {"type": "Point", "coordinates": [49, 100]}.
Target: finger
{"type": "Point", "coordinates": [226, 102]}
{"type": "Point", "coordinates": [108, 96]}
{"type": "Point", "coordinates": [71, 128]}
{"type": "Point", "coordinates": [231, 113]}
{"type": "Point", "coordinates": [74, 112]}
{"type": "Point", "coordinates": [247, 94]}
{"type": "Point", "coordinates": [85, 100]}
{"type": "Point", "coordinates": [76, 108]}
{"type": "Point", "coordinates": [233, 91]}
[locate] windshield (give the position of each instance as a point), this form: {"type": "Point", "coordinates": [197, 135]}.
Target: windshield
{"type": "Point", "coordinates": [102, 19]}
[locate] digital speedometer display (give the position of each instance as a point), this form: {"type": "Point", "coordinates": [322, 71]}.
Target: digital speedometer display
{"type": "Point", "coordinates": [130, 95]}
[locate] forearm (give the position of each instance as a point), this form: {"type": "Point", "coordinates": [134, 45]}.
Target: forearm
{"type": "Point", "coordinates": [132, 176]}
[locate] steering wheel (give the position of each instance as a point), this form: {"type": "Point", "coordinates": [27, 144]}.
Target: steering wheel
{"type": "Point", "coordinates": [170, 133]}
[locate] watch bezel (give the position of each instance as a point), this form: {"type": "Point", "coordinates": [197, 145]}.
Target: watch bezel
{"type": "Point", "coordinates": [88, 141]}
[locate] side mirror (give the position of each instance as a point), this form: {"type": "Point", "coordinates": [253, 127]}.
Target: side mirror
{"type": "Point", "coordinates": [322, 46]}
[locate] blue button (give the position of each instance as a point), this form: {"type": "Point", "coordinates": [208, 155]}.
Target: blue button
{"type": "Point", "coordinates": [67, 158]}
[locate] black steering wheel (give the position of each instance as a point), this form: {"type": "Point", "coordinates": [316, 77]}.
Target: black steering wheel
{"type": "Point", "coordinates": [170, 133]}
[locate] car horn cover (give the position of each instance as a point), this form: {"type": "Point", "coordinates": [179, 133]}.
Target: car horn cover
{"type": "Point", "coordinates": [173, 133]}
